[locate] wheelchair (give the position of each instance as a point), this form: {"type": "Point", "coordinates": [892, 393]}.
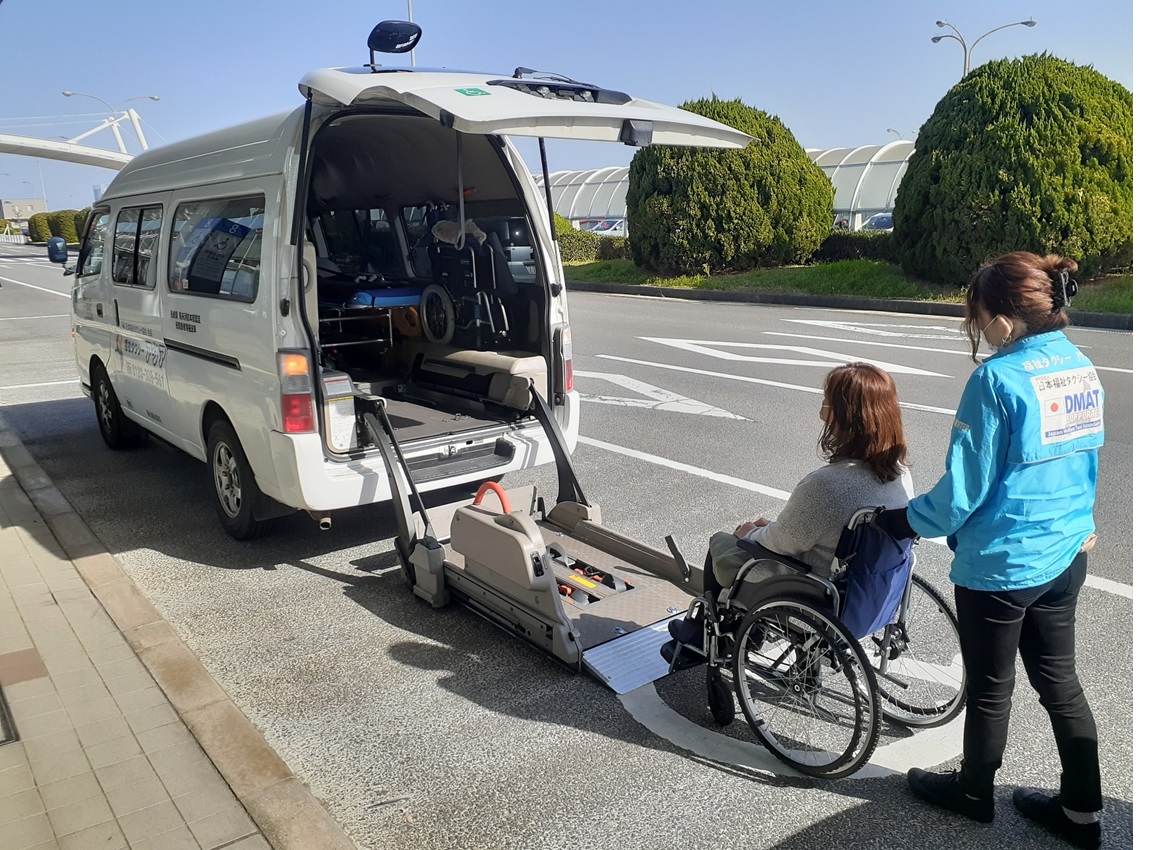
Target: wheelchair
{"type": "Point", "coordinates": [812, 692]}
{"type": "Point", "coordinates": [467, 294]}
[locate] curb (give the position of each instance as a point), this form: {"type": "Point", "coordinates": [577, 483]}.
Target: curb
{"type": "Point", "coordinates": [1107, 321]}
{"type": "Point", "coordinates": [278, 802]}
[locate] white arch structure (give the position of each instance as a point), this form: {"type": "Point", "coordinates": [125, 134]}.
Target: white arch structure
{"type": "Point", "coordinates": [64, 151]}
{"type": "Point", "coordinates": [865, 180]}
{"type": "Point", "coordinates": [598, 193]}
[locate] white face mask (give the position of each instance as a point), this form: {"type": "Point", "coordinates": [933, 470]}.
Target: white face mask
{"type": "Point", "coordinates": [994, 346]}
{"type": "Point", "coordinates": [984, 334]}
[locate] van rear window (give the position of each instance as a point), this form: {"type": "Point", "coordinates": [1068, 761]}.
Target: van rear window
{"type": "Point", "coordinates": [215, 248]}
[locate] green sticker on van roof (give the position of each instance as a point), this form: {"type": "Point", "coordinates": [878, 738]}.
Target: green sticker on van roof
{"type": "Point", "coordinates": [473, 92]}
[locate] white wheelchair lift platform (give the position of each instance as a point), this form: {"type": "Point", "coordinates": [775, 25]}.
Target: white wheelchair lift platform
{"type": "Point", "coordinates": [590, 597]}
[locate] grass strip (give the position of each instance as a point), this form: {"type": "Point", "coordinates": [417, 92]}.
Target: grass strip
{"type": "Point", "coordinates": [861, 278]}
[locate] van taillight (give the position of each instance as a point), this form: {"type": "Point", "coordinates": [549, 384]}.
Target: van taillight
{"type": "Point", "coordinates": [297, 410]}
{"type": "Point", "coordinates": [566, 351]}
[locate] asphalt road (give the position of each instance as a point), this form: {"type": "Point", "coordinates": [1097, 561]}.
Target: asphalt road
{"type": "Point", "coordinates": [432, 729]}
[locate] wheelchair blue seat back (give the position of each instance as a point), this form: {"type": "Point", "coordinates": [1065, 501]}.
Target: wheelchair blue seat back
{"type": "Point", "coordinates": [877, 569]}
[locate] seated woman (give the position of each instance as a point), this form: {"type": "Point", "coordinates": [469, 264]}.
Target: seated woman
{"type": "Point", "coordinates": [863, 441]}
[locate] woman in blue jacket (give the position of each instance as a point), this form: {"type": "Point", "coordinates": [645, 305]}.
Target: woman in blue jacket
{"type": "Point", "coordinates": [1015, 504]}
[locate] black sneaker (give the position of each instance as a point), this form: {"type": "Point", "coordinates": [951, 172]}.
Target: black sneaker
{"type": "Point", "coordinates": [944, 790]}
{"type": "Point", "coordinates": [688, 632]}
{"type": "Point", "coordinates": [1046, 810]}
{"type": "Point", "coordinates": [686, 659]}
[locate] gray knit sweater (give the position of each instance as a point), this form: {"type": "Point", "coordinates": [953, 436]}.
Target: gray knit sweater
{"type": "Point", "coordinates": [809, 524]}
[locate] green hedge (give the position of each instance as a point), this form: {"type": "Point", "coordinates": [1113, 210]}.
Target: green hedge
{"type": "Point", "coordinates": [856, 245]}
{"type": "Point", "coordinates": [582, 246]}
{"type": "Point", "coordinates": [67, 224]}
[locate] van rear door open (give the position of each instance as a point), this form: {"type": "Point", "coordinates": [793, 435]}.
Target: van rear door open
{"type": "Point", "coordinates": [523, 107]}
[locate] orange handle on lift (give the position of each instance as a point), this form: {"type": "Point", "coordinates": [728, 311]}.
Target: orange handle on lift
{"type": "Point", "coordinates": [498, 490]}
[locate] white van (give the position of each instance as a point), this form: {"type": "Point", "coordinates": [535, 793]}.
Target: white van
{"type": "Point", "coordinates": [235, 290]}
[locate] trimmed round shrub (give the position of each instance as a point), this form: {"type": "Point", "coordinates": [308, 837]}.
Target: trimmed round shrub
{"type": "Point", "coordinates": [78, 220]}
{"type": "Point", "coordinates": [701, 210]}
{"type": "Point", "coordinates": [1031, 154]}
{"type": "Point", "coordinates": [63, 224]}
{"type": "Point", "coordinates": [38, 227]}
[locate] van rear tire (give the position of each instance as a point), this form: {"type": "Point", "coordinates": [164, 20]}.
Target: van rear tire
{"type": "Point", "coordinates": [118, 431]}
{"type": "Point", "coordinates": [234, 484]}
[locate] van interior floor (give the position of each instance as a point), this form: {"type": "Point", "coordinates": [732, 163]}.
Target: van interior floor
{"type": "Point", "coordinates": [414, 421]}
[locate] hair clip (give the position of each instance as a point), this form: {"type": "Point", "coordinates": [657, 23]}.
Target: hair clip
{"type": "Point", "coordinates": [1063, 289]}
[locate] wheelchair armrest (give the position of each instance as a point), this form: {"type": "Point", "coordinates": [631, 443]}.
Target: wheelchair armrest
{"type": "Point", "coordinates": [755, 550]}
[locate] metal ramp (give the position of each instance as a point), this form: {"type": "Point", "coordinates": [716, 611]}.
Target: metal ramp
{"type": "Point", "coordinates": [632, 661]}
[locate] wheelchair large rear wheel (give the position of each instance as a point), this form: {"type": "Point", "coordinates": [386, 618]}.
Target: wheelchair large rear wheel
{"type": "Point", "coordinates": [806, 688]}
{"type": "Point", "coordinates": [919, 669]}
{"type": "Point", "coordinates": [437, 314]}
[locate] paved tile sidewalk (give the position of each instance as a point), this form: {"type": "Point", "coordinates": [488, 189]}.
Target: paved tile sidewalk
{"type": "Point", "coordinates": [102, 758]}
{"type": "Point", "coordinates": [124, 740]}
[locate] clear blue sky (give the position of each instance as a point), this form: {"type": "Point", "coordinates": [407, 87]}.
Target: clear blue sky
{"type": "Point", "coordinates": [836, 74]}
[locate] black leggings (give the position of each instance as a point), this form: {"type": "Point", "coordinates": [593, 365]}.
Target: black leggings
{"type": "Point", "coordinates": [1040, 622]}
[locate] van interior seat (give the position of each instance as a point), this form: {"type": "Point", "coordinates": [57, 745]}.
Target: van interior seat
{"type": "Point", "coordinates": [502, 376]}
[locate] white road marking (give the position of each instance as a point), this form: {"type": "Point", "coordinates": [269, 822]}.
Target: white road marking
{"type": "Point", "coordinates": [811, 338]}
{"type": "Point", "coordinates": [32, 286]}
{"type": "Point", "coordinates": [926, 747]}
{"type": "Point", "coordinates": [53, 316]}
{"type": "Point", "coordinates": [880, 328]}
{"type": "Point", "coordinates": [714, 348]}
{"type": "Point", "coordinates": [842, 326]}
{"type": "Point", "coordinates": [658, 399]}
{"type": "Point", "coordinates": [732, 481]}
{"type": "Point", "coordinates": [763, 381]}
{"type": "Point", "coordinates": [1109, 586]}
{"type": "Point", "coordinates": [46, 384]}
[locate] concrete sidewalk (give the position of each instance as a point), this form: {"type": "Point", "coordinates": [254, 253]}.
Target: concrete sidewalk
{"type": "Point", "coordinates": [122, 738]}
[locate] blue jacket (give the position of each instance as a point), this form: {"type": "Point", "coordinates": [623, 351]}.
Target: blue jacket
{"type": "Point", "coordinates": [1019, 484]}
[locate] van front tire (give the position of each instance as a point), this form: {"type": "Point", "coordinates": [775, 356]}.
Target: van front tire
{"type": "Point", "coordinates": [118, 431]}
{"type": "Point", "coordinates": [234, 484]}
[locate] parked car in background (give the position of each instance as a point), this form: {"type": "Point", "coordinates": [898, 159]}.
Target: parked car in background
{"type": "Point", "coordinates": [611, 227]}
{"type": "Point", "coordinates": [879, 221]}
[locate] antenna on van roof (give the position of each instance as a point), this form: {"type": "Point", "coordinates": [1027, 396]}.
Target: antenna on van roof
{"type": "Point", "coordinates": [392, 37]}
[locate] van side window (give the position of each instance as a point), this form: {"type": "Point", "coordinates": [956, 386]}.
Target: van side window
{"type": "Point", "coordinates": [134, 246]}
{"type": "Point", "coordinates": [92, 251]}
{"type": "Point", "coordinates": [215, 248]}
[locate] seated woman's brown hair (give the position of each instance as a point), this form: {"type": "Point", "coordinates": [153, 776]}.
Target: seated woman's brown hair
{"type": "Point", "coordinates": [864, 421]}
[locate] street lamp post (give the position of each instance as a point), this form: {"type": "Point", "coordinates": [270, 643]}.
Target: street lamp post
{"type": "Point", "coordinates": [968, 48]}
{"type": "Point", "coordinates": [897, 133]}
{"type": "Point", "coordinates": [114, 119]}
{"type": "Point", "coordinates": [412, 52]}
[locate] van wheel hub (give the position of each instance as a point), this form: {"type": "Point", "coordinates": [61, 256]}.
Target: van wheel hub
{"type": "Point", "coordinates": [227, 478]}
{"type": "Point", "coordinates": [104, 405]}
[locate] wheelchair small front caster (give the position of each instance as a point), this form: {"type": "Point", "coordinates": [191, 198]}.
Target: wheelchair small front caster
{"type": "Point", "coordinates": [720, 700]}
